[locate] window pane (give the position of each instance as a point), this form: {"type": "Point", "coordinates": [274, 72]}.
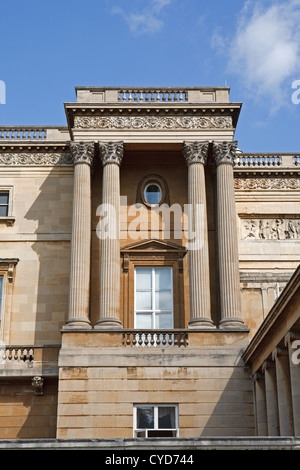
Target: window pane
{"type": "Point", "coordinates": [166, 417]}
{"type": "Point", "coordinates": [143, 278]}
{"type": "Point", "coordinates": [164, 321]}
{"type": "Point", "coordinates": [4, 198]}
{"type": "Point", "coordinates": [145, 418]}
{"type": "Point", "coordinates": [162, 433]}
{"type": "Point", "coordinates": [163, 300]}
{"type": "Point", "coordinates": [3, 211]}
{"type": "Point", "coordinates": [163, 278]}
{"type": "Point", "coordinates": [143, 300]}
{"type": "Point", "coordinates": [143, 321]}
{"type": "Point", "coordinates": [153, 194]}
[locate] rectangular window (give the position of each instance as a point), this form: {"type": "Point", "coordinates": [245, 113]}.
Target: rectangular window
{"type": "Point", "coordinates": [4, 203]}
{"type": "Point", "coordinates": [155, 421]}
{"type": "Point", "coordinates": [153, 298]}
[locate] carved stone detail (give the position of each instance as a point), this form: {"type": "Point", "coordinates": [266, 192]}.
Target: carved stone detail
{"type": "Point", "coordinates": [271, 229]}
{"type": "Point", "coordinates": [153, 122]}
{"type": "Point", "coordinates": [82, 152]}
{"type": "Point", "coordinates": [195, 152]}
{"type": "Point", "coordinates": [111, 152]}
{"type": "Point", "coordinates": [38, 383]}
{"type": "Point", "coordinates": [224, 152]}
{"type": "Point", "coordinates": [38, 159]}
{"type": "Point", "coordinates": [266, 184]}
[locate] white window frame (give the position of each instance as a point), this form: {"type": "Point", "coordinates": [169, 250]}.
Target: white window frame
{"type": "Point", "coordinates": [156, 428]}
{"type": "Point", "coordinates": [9, 218]}
{"type": "Point", "coordinates": [153, 310]}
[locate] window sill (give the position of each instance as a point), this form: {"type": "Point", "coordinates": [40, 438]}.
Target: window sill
{"type": "Point", "coordinates": [8, 220]}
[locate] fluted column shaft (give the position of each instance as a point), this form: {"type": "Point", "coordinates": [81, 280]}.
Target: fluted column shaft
{"type": "Point", "coordinates": [260, 404]}
{"type": "Point", "coordinates": [79, 290]}
{"type": "Point", "coordinates": [283, 380]}
{"type": "Point", "coordinates": [111, 156]}
{"type": "Point", "coordinates": [195, 154]}
{"type": "Point", "coordinates": [230, 299]}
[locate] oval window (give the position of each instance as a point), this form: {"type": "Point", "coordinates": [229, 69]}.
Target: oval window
{"type": "Point", "coordinates": [153, 193]}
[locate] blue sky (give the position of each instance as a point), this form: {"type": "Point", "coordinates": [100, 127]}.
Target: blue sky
{"type": "Point", "coordinates": [253, 46]}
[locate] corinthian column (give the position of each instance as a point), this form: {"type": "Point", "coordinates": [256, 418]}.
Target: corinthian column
{"type": "Point", "coordinates": [195, 154]}
{"type": "Point", "coordinates": [229, 278]}
{"type": "Point", "coordinates": [79, 292]}
{"type": "Point", "coordinates": [111, 156]}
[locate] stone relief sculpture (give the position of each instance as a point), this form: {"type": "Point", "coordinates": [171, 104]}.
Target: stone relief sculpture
{"type": "Point", "coordinates": [153, 122]}
{"type": "Point", "coordinates": [271, 229]}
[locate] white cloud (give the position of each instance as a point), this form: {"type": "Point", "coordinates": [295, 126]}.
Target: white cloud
{"type": "Point", "coordinates": [146, 20]}
{"type": "Point", "coordinates": [265, 51]}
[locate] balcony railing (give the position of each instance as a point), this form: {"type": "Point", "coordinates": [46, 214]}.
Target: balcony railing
{"type": "Point", "coordinates": [155, 338]}
{"type": "Point", "coordinates": [16, 355]}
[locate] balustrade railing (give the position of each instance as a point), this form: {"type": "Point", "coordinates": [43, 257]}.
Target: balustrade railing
{"type": "Point", "coordinates": [247, 160]}
{"type": "Point", "coordinates": [154, 95]}
{"type": "Point", "coordinates": [258, 160]}
{"type": "Point", "coordinates": [155, 338]}
{"type": "Point", "coordinates": [10, 355]}
{"type": "Point", "coordinates": [23, 133]}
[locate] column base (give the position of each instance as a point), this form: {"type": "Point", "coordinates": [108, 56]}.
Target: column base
{"type": "Point", "coordinates": [232, 323]}
{"type": "Point", "coordinates": [108, 323]}
{"type": "Point", "coordinates": [80, 324]}
{"type": "Point", "coordinates": [201, 323]}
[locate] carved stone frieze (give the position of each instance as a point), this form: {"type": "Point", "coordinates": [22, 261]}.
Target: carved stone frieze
{"type": "Point", "coordinates": [271, 229]}
{"type": "Point", "coordinates": [82, 152]}
{"type": "Point", "coordinates": [195, 152]}
{"type": "Point", "coordinates": [268, 184]}
{"type": "Point", "coordinates": [224, 152]}
{"type": "Point", "coordinates": [153, 122]}
{"type": "Point", "coordinates": [111, 152]}
{"type": "Point", "coordinates": [36, 159]}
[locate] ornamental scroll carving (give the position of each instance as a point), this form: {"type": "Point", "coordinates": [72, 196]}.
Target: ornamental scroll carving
{"type": "Point", "coordinates": [195, 152]}
{"type": "Point", "coordinates": [111, 152]}
{"type": "Point", "coordinates": [224, 152]}
{"type": "Point", "coordinates": [38, 159]}
{"type": "Point", "coordinates": [153, 122]}
{"type": "Point", "coordinates": [82, 152]}
{"type": "Point", "coordinates": [266, 183]}
{"type": "Point", "coordinates": [271, 229]}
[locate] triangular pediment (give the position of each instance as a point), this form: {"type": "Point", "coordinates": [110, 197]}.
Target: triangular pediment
{"type": "Point", "coordinates": [153, 245]}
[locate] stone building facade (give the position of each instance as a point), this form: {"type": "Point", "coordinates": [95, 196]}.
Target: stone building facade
{"type": "Point", "coordinates": [142, 255]}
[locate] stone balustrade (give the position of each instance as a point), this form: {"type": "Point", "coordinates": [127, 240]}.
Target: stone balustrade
{"type": "Point", "coordinates": [155, 338]}
{"type": "Point", "coordinates": [152, 95]}
{"type": "Point", "coordinates": [16, 354]}
{"type": "Point", "coordinates": [252, 160]}
{"type": "Point", "coordinates": [33, 133]}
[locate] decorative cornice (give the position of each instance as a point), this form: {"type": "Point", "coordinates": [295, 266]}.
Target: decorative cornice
{"type": "Point", "coordinates": [224, 152]}
{"type": "Point", "coordinates": [82, 152]}
{"type": "Point", "coordinates": [153, 122]}
{"type": "Point", "coordinates": [35, 159]}
{"type": "Point", "coordinates": [111, 152]}
{"type": "Point", "coordinates": [195, 152]}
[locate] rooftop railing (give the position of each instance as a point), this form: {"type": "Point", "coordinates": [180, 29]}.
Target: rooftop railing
{"type": "Point", "coordinates": [247, 160]}
{"type": "Point", "coordinates": [33, 133]}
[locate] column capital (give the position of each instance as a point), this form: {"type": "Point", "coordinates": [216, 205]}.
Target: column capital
{"type": "Point", "coordinates": [82, 152]}
{"type": "Point", "coordinates": [111, 152]}
{"type": "Point", "coordinates": [195, 152]}
{"type": "Point", "coordinates": [224, 152]}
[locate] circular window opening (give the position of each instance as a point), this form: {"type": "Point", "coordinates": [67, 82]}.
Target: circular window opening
{"type": "Point", "coordinates": [153, 193]}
